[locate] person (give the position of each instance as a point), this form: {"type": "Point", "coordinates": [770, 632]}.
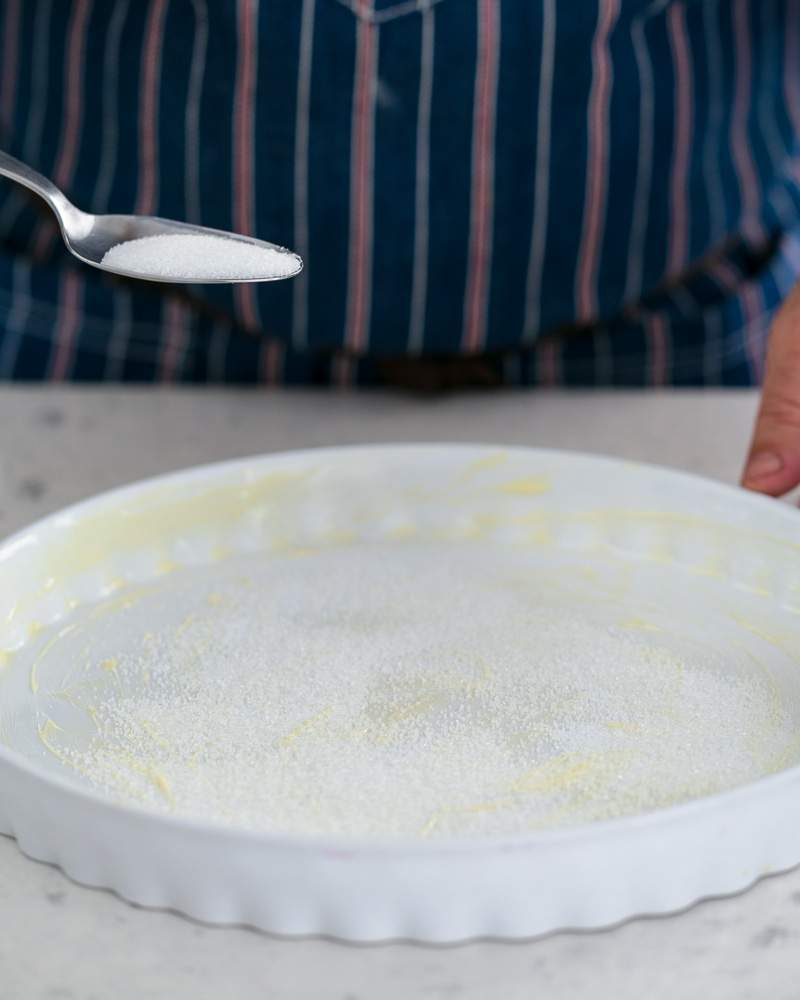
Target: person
{"type": "Point", "coordinates": [485, 192]}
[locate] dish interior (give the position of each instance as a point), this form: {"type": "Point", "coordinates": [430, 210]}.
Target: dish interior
{"type": "Point", "coordinates": [424, 680]}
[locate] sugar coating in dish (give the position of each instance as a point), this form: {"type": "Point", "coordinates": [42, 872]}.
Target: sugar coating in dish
{"type": "Point", "coordinates": [415, 690]}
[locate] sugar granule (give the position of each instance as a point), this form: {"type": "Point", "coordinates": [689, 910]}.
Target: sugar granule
{"type": "Point", "coordinates": [199, 257]}
{"type": "Point", "coordinates": [412, 690]}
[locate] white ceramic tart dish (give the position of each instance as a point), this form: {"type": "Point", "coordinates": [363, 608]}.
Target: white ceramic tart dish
{"type": "Point", "coordinates": [423, 692]}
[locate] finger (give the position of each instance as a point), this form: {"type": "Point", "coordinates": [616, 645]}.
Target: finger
{"type": "Point", "coordinates": [773, 464]}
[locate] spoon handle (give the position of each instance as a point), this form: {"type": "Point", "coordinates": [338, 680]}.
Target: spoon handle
{"type": "Point", "coordinates": [18, 171]}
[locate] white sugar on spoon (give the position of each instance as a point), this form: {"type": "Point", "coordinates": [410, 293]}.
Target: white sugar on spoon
{"type": "Point", "coordinates": [198, 258]}
{"type": "Point", "coordinates": [144, 246]}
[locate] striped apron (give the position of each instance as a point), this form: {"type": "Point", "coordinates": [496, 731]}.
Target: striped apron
{"type": "Point", "coordinates": [592, 192]}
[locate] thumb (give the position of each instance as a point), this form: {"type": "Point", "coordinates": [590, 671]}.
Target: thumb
{"type": "Point", "coordinates": [773, 464]}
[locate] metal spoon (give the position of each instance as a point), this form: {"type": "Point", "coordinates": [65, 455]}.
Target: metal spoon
{"type": "Point", "coordinates": [90, 237]}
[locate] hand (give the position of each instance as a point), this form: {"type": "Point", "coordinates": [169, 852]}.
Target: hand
{"type": "Point", "coordinates": [773, 464]}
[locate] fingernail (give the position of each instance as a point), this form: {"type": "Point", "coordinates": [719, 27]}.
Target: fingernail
{"type": "Point", "coordinates": [762, 465]}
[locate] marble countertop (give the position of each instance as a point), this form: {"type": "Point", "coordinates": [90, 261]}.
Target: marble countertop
{"type": "Point", "coordinates": [59, 941]}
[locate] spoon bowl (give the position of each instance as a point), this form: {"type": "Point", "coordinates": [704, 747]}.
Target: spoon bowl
{"type": "Point", "coordinates": [89, 237]}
